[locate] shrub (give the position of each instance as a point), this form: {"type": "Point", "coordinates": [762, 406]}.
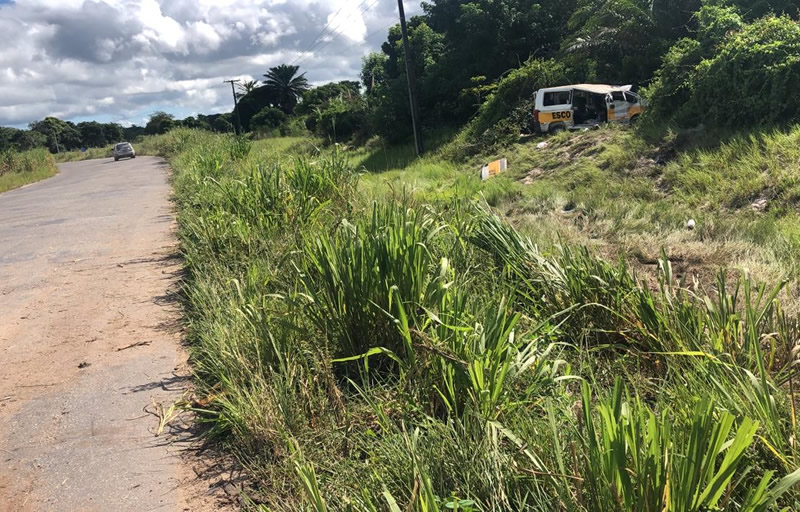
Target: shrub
{"type": "Point", "coordinates": [509, 109]}
{"type": "Point", "coordinates": [20, 168]}
{"type": "Point", "coordinates": [340, 119]}
{"type": "Point", "coordinates": [746, 78]}
{"type": "Point", "coordinates": [268, 119]}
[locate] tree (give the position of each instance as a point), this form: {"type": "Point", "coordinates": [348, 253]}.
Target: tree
{"type": "Point", "coordinates": [114, 133]}
{"type": "Point", "coordinates": [60, 135]}
{"type": "Point", "coordinates": [736, 78]}
{"type": "Point", "coordinates": [341, 118]}
{"type": "Point", "coordinates": [222, 124]}
{"type": "Point", "coordinates": [24, 140]}
{"type": "Point", "coordinates": [373, 72]}
{"type": "Point", "coordinates": [287, 85]}
{"type": "Point", "coordinates": [92, 134]}
{"type": "Point", "coordinates": [131, 133]}
{"type": "Point", "coordinates": [268, 119]}
{"type": "Point", "coordinates": [13, 139]}
{"type": "Point", "coordinates": [320, 96]}
{"type": "Point", "coordinates": [246, 87]}
{"type": "Point", "coordinates": [159, 122]}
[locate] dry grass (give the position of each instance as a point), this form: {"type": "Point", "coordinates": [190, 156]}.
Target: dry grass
{"type": "Point", "coordinates": [18, 169]}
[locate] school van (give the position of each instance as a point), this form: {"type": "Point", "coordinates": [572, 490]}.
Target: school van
{"type": "Point", "coordinates": [579, 106]}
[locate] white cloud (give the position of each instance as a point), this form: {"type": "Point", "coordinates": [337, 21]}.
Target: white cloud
{"type": "Point", "coordinates": [120, 59]}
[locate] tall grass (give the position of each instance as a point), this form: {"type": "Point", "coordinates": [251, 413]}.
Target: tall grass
{"type": "Point", "coordinates": [21, 168]}
{"type": "Point", "coordinates": [361, 353]}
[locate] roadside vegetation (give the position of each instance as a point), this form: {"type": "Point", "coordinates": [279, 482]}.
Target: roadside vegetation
{"type": "Point", "coordinates": [89, 154]}
{"type": "Point", "coordinates": [610, 325]}
{"type": "Point", "coordinates": [374, 332]}
{"type": "Point", "coordinates": [21, 168]}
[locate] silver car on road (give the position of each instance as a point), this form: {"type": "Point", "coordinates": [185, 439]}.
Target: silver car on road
{"type": "Point", "coordinates": [123, 150]}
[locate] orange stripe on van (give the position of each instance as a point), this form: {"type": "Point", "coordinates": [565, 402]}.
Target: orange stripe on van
{"type": "Point", "coordinates": [555, 116]}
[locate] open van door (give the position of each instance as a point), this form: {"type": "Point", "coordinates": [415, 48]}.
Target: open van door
{"type": "Point", "coordinates": [618, 106]}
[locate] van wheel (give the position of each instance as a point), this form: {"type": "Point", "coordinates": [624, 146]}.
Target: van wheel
{"type": "Point", "coordinates": [116, 159]}
{"type": "Point", "coordinates": [634, 120]}
{"type": "Point", "coordinates": [557, 129]}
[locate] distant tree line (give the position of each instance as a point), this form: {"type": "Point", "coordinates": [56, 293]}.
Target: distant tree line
{"type": "Point", "coordinates": [479, 61]}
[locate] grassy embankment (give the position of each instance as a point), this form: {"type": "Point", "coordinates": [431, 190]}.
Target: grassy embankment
{"type": "Point", "coordinates": [389, 341]}
{"type": "Point", "coordinates": [18, 169]}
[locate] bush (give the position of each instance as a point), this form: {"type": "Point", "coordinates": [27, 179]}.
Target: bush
{"type": "Point", "coordinates": [509, 109]}
{"type": "Point", "coordinates": [25, 162]}
{"type": "Point", "coordinates": [267, 120]}
{"type": "Point", "coordinates": [21, 168]}
{"type": "Point", "coordinates": [761, 69]}
{"type": "Point", "coordinates": [757, 64]}
{"type": "Point", "coordinates": [339, 120]}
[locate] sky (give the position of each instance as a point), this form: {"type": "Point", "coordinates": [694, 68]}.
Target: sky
{"type": "Point", "coordinates": [120, 60]}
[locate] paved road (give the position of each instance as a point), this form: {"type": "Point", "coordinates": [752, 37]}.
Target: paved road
{"type": "Point", "coordinates": [90, 342]}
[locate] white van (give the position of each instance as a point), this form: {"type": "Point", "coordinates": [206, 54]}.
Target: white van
{"type": "Point", "coordinates": [574, 107]}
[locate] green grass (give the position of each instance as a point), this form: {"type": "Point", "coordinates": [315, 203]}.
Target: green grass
{"type": "Point", "coordinates": [411, 338]}
{"type": "Point", "coordinates": [89, 154]}
{"type": "Point", "coordinates": [18, 169]}
{"type": "Point", "coordinates": [615, 191]}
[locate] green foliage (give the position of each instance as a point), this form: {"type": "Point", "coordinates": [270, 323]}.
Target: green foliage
{"type": "Point", "coordinates": [319, 97]}
{"type": "Point", "coordinates": [620, 41]}
{"type": "Point", "coordinates": [736, 78]}
{"type": "Point", "coordinates": [341, 118]}
{"type": "Point", "coordinates": [159, 122]}
{"type": "Point", "coordinates": [286, 86]}
{"type": "Point", "coordinates": [92, 134]}
{"type": "Point", "coordinates": [508, 110]}
{"type": "Point", "coordinates": [21, 168]}
{"type": "Point", "coordinates": [20, 140]}
{"type": "Point", "coordinates": [428, 351]}
{"type": "Point", "coordinates": [267, 120]}
{"type": "Point", "coordinates": [638, 461]}
{"type": "Point", "coordinates": [60, 135]}
{"type": "Point", "coordinates": [222, 124]}
{"type": "Point", "coordinates": [758, 67]}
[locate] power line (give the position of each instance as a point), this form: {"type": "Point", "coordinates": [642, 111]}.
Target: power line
{"type": "Point", "coordinates": [371, 35]}
{"type": "Point", "coordinates": [318, 35]}
{"type": "Point", "coordinates": [366, 38]}
{"type": "Point", "coordinates": [333, 30]}
{"type": "Point", "coordinates": [334, 33]}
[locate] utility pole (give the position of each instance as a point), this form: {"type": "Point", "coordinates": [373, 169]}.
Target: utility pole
{"type": "Point", "coordinates": [235, 105]}
{"type": "Point", "coordinates": [412, 96]}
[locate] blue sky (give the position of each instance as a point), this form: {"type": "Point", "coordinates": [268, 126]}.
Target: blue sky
{"type": "Point", "coordinates": [120, 60]}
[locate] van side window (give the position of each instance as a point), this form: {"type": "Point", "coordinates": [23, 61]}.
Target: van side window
{"type": "Point", "coordinates": [631, 98]}
{"type": "Point", "coordinates": [617, 96]}
{"type": "Point", "coordinates": [556, 98]}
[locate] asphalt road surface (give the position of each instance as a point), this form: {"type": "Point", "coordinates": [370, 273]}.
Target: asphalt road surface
{"type": "Point", "coordinates": [90, 343]}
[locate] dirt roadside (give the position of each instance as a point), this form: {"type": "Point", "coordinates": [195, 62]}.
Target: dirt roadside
{"type": "Point", "coordinates": [90, 345]}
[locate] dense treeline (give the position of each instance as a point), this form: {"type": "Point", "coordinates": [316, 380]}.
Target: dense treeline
{"type": "Point", "coordinates": [478, 63]}
{"type": "Point", "coordinates": [58, 135]}
{"type": "Point", "coordinates": [462, 51]}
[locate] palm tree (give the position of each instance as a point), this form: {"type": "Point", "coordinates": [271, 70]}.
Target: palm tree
{"type": "Point", "coordinates": [247, 87]}
{"type": "Point", "coordinates": [287, 85]}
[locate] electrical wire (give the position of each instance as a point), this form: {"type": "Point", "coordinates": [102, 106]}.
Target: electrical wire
{"type": "Point", "coordinates": [318, 35]}
{"type": "Point", "coordinates": [306, 58]}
